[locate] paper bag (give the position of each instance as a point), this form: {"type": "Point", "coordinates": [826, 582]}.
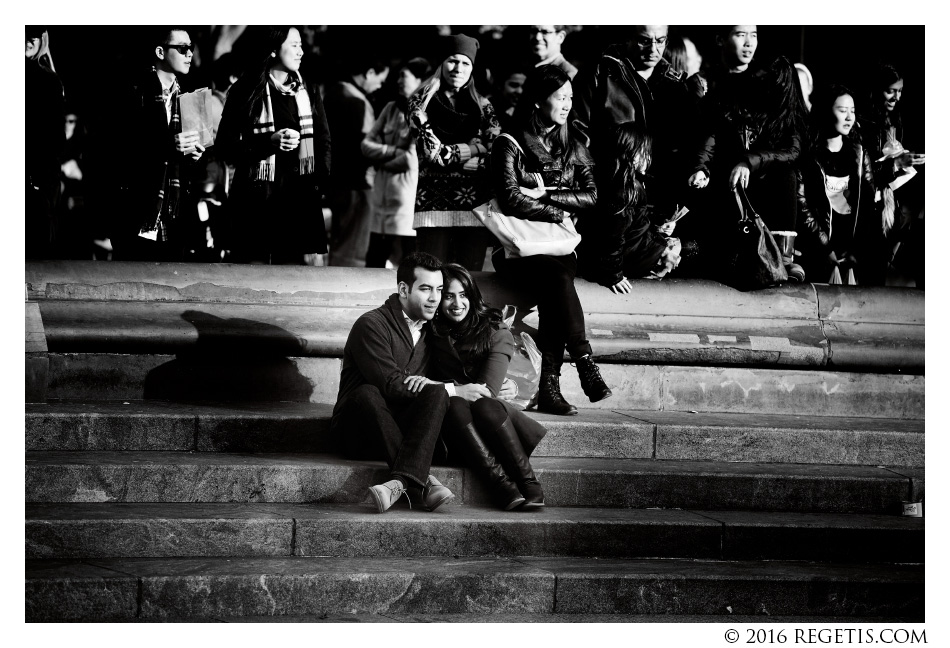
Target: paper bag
{"type": "Point", "coordinates": [196, 115]}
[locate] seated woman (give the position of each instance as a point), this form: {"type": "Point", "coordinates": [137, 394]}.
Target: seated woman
{"type": "Point", "coordinates": [623, 243]}
{"type": "Point", "coordinates": [471, 348]}
{"type": "Point", "coordinates": [830, 195]}
{"type": "Point", "coordinates": [544, 145]}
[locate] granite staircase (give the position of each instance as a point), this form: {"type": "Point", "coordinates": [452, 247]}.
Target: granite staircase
{"type": "Point", "coordinates": [174, 475]}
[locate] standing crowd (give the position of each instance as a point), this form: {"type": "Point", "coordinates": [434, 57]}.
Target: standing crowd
{"type": "Point", "coordinates": [642, 149]}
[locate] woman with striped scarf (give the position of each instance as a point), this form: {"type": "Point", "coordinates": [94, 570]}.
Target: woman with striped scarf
{"type": "Point", "coordinates": [275, 133]}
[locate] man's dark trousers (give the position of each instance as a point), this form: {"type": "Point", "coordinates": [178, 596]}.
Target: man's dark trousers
{"type": "Point", "coordinates": [403, 435]}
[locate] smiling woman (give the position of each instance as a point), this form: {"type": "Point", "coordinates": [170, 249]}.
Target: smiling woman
{"type": "Point", "coordinates": [542, 171]}
{"type": "Point", "coordinates": [472, 347]}
{"type": "Point", "coordinates": [273, 129]}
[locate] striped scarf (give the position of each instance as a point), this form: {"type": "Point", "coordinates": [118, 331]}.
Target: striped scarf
{"type": "Point", "coordinates": [266, 168]}
{"type": "Point", "coordinates": [169, 193]}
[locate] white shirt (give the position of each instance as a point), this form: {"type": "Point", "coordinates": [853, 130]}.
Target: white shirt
{"type": "Point", "coordinates": [415, 330]}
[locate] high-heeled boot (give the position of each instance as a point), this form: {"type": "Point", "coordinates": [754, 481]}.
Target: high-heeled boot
{"type": "Point", "coordinates": [550, 399]}
{"type": "Point", "coordinates": [512, 456]}
{"type": "Point", "coordinates": [591, 381]}
{"type": "Point", "coordinates": [481, 459]}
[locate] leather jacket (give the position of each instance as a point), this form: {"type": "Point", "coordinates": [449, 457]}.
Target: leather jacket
{"type": "Point", "coordinates": [574, 188]}
{"type": "Point", "coordinates": [815, 226]}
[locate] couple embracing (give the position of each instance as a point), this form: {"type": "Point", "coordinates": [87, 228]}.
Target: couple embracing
{"type": "Point", "coordinates": [422, 378]}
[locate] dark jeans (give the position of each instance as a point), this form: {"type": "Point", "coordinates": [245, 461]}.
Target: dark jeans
{"type": "Point", "coordinates": [561, 316]}
{"type": "Point", "coordinates": [403, 435]}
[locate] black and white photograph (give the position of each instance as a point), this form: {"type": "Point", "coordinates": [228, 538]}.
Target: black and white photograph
{"type": "Point", "coordinates": [413, 324]}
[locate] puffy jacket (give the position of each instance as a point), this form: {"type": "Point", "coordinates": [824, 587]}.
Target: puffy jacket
{"type": "Point", "coordinates": [573, 182]}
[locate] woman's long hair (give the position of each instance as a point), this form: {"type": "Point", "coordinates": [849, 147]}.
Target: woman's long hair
{"type": "Point", "coordinates": [631, 143]}
{"type": "Point", "coordinates": [482, 320]}
{"type": "Point", "coordinates": [259, 74]}
{"type": "Point", "coordinates": [675, 53]}
{"type": "Point", "coordinates": [781, 110]}
{"type": "Point", "coordinates": [822, 116]}
{"type": "Point", "coordinates": [538, 86]}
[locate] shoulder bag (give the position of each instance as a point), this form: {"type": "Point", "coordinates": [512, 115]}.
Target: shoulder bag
{"type": "Point", "coordinates": [521, 237]}
{"type": "Point", "coordinates": [758, 261]}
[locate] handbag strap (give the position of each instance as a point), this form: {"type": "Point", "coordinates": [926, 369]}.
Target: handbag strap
{"type": "Point", "coordinates": [539, 179]}
{"type": "Point", "coordinates": [745, 207]}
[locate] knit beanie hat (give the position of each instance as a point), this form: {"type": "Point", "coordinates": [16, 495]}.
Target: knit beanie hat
{"type": "Point", "coordinates": [420, 67]}
{"type": "Point", "coordinates": [460, 44]}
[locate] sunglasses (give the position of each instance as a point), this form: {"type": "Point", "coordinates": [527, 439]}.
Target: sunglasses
{"type": "Point", "coordinates": [183, 49]}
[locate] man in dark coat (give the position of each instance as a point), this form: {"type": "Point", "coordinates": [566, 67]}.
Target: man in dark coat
{"type": "Point", "coordinates": [377, 414]}
{"type": "Point", "coordinates": [633, 82]}
{"type": "Point", "coordinates": [158, 157]}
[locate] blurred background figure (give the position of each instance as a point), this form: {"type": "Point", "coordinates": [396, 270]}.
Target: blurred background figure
{"type": "Point", "coordinates": [275, 133]}
{"type": "Point", "coordinates": [350, 118]}
{"type": "Point", "coordinates": [509, 84]}
{"type": "Point", "coordinates": [808, 84]}
{"type": "Point", "coordinates": [545, 47]}
{"type": "Point", "coordinates": [694, 60]}
{"type": "Point", "coordinates": [45, 140]}
{"type": "Point", "coordinates": [393, 152]}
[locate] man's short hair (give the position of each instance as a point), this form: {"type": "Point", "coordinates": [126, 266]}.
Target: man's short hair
{"type": "Point", "coordinates": [160, 35]}
{"type": "Point", "coordinates": [407, 267]}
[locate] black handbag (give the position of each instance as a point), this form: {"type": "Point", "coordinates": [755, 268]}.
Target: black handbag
{"type": "Point", "coordinates": [758, 262]}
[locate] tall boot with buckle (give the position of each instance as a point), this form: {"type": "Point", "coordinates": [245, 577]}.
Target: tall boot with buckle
{"type": "Point", "coordinates": [550, 399]}
{"type": "Point", "coordinates": [591, 381]}
{"type": "Point", "coordinates": [481, 459]}
{"type": "Point", "coordinates": [512, 456]}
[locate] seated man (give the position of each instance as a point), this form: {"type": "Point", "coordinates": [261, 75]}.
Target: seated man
{"type": "Point", "coordinates": [376, 415]}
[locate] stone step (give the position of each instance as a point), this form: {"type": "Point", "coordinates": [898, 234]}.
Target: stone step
{"type": "Point", "coordinates": [609, 483]}
{"type": "Point", "coordinates": [105, 376]}
{"type": "Point", "coordinates": [618, 434]}
{"type": "Point", "coordinates": [162, 588]}
{"type": "Point", "coordinates": [805, 633]}
{"type": "Point", "coordinates": [92, 531]}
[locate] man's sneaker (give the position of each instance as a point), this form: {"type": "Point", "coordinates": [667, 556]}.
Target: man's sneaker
{"type": "Point", "coordinates": [386, 494]}
{"type": "Point", "coordinates": [432, 495]}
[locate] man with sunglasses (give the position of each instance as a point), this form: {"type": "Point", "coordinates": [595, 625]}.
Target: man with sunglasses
{"type": "Point", "coordinates": [632, 82]}
{"type": "Point", "coordinates": [155, 157]}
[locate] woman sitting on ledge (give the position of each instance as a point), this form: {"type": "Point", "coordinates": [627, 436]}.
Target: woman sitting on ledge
{"type": "Point", "coordinates": [472, 347]}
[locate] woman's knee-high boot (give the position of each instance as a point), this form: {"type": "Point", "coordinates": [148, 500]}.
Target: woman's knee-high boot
{"type": "Point", "coordinates": [512, 456]}
{"type": "Point", "coordinates": [480, 458]}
